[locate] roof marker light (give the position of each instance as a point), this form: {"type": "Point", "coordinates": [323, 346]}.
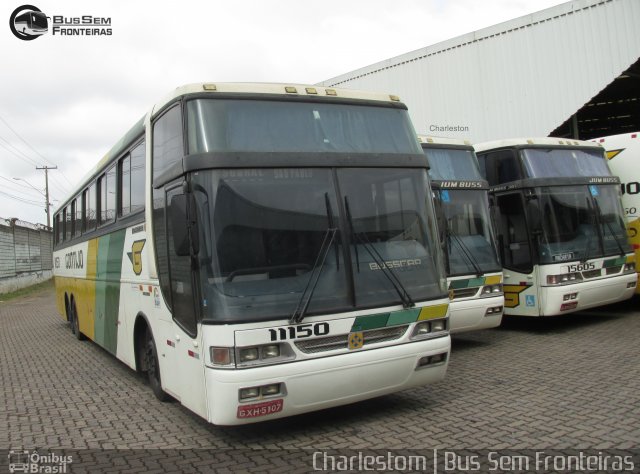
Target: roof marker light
{"type": "Point", "coordinates": [291, 90]}
{"type": "Point", "coordinates": [530, 142]}
{"type": "Point", "coordinates": [311, 90]}
{"type": "Point", "coordinates": [331, 92]}
{"type": "Point", "coordinates": [209, 87]}
{"type": "Point", "coordinates": [394, 98]}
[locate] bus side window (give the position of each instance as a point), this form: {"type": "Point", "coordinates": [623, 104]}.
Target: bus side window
{"type": "Point", "coordinates": [501, 167]}
{"type": "Point", "coordinates": [124, 186]}
{"type": "Point", "coordinates": [137, 177]}
{"type": "Point", "coordinates": [90, 210]}
{"type": "Point", "coordinates": [59, 228]}
{"type": "Point", "coordinates": [67, 223]}
{"type": "Point", "coordinates": [167, 142]}
{"type": "Point", "coordinates": [167, 149]}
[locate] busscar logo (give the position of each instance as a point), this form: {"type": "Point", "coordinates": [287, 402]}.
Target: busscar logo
{"type": "Point", "coordinates": [28, 23]}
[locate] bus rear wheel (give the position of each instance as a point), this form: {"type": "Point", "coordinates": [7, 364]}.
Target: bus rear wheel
{"type": "Point", "coordinates": [153, 369]}
{"type": "Point", "coordinates": [75, 324]}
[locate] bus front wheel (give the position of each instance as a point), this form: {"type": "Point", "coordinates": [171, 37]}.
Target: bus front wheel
{"type": "Point", "coordinates": [153, 369]}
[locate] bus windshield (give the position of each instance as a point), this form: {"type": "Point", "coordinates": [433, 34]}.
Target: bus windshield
{"type": "Point", "coordinates": [263, 229]}
{"type": "Point", "coordinates": [224, 125]}
{"type": "Point", "coordinates": [581, 222]}
{"type": "Point", "coordinates": [469, 237]}
{"type": "Point", "coordinates": [564, 162]}
{"type": "Point", "coordinates": [453, 164]}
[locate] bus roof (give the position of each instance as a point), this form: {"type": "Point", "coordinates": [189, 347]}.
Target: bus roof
{"type": "Point", "coordinates": [428, 139]}
{"type": "Point", "coordinates": [275, 89]}
{"type": "Point", "coordinates": [225, 87]}
{"type": "Point", "coordinates": [611, 137]}
{"type": "Point", "coordinates": [523, 142]}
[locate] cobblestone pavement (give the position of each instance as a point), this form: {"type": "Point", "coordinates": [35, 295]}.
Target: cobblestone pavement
{"type": "Point", "coordinates": [563, 383]}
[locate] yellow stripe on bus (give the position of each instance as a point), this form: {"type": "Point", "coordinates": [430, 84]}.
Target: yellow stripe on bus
{"type": "Point", "coordinates": [493, 280]}
{"type": "Point", "coordinates": [432, 312]}
{"type": "Point", "coordinates": [89, 292]}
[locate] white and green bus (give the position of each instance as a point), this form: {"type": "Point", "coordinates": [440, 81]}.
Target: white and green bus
{"type": "Point", "coordinates": [560, 225]}
{"type": "Point", "coordinates": [259, 251]}
{"type": "Point", "coordinates": [474, 273]}
{"type": "Point", "coordinates": [623, 155]}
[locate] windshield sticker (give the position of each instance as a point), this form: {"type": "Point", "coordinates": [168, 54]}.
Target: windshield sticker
{"type": "Point", "coordinates": [594, 190]}
{"type": "Point", "coordinates": [444, 195]}
{"type": "Point", "coordinates": [563, 257]}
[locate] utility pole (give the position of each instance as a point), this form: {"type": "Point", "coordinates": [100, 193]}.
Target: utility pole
{"type": "Point", "coordinates": [46, 182]}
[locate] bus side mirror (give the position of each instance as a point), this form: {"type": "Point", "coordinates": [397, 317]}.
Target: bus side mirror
{"type": "Point", "coordinates": [184, 225]}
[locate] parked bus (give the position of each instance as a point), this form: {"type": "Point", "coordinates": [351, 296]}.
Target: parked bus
{"type": "Point", "coordinates": [623, 155]}
{"type": "Point", "coordinates": [474, 274]}
{"type": "Point", "coordinates": [560, 225]}
{"type": "Point", "coordinates": [259, 251]}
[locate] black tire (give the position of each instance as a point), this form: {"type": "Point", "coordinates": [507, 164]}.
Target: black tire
{"type": "Point", "coordinates": [75, 324]}
{"type": "Point", "coordinates": [153, 369]}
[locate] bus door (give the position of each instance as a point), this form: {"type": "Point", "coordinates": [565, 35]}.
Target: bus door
{"type": "Point", "coordinates": [189, 354]}
{"type": "Point", "coordinates": [515, 245]}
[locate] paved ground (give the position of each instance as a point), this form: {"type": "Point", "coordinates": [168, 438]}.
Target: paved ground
{"type": "Point", "coordinates": [564, 383]}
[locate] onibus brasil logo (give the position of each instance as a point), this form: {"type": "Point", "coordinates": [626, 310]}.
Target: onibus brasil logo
{"type": "Point", "coordinates": [28, 23]}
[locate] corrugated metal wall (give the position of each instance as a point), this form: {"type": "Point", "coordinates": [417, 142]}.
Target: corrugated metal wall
{"type": "Point", "coordinates": [24, 248]}
{"type": "Point", "coordinates": [524, 77]}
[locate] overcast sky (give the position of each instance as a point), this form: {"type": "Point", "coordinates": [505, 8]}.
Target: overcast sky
{"type": "Point", "coordinates": [66, 100]}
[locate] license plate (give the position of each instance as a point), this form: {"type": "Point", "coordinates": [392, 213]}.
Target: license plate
{"type": "Point", "coordinates": [260, 409]}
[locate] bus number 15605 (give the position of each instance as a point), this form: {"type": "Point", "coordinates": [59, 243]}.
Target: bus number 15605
{"type": "Point", "coordinates": [299, 332]}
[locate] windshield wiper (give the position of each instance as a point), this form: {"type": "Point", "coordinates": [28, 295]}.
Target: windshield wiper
{"type": "Point", "coordinates": [587, 249]}
{"type": "Point", "coordinates": [314, 277]}
{"type": "Point", "coordinates": [332, 226]}
{"type": "Point", "coordinates": [465, 250]}
{"type": "Point", "coordinates": [405, 297]}
{"type": "Point", "coordinates": [600, 218]}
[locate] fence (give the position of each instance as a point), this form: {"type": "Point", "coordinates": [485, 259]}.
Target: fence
{"type": "Point", "coordinates": [25, 254]}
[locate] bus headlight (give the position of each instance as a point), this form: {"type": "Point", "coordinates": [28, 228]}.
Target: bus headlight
{"type": "Point", "coordinates": [264, 354]}
{"type": "Point", "coordinates": [425, 329]}
{"type": "Point", "coordinates": [491, 290]}
{"type": "Point", "coordinates": [248, 354]}
{"type": "Point", "coordinates": [238, 357]}
{"type": "Point", "coordinates": [270, 351]}
{"type": "Point", "coordinates": [563, 278]}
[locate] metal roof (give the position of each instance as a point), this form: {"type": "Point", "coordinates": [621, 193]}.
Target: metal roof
{"type": "Point", "coordinates": [522, 77]}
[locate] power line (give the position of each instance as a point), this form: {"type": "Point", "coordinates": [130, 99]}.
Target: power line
{"type": "Point", "coordinates": [25, 201]}
{"type": "Point", "coordinates": [24, 158]}
{"type": "Point", "coordinates": [25, 142]}
{"type": "Point", "coordinates": [17, 183]}
{"type": "Point", "coordinates": [32, 149]}
{"type": "Point", "coordinates": [59, 185]}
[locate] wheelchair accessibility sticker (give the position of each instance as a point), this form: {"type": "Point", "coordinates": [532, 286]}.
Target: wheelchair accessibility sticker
{"type": "Point", "coordinates": [530, 300]}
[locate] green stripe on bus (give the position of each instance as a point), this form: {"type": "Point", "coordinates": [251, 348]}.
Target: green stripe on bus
{"type": "Point", "coordinates": [403, 317]}
{"type": "Point", "coordinates": [615, 261]}
{"type": "Point", "coordinates": [108, 272]}
{"type": "Point", "coordinates": [373, 321]}
{"type": "Point", "coordinates": [466, 283]}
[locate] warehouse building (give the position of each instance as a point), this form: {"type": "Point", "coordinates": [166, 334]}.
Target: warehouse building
{"type": "Point", "coordinates": [572, 70]}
